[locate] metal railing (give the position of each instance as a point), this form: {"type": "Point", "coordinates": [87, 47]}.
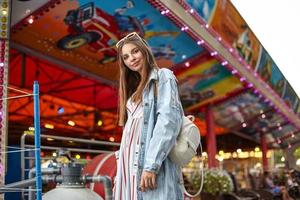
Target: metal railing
{"type": "Point", "coordinates": [24, 145]}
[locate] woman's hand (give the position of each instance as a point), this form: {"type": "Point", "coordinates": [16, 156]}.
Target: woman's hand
{"type": "Point", "coordinates": [148, 181]}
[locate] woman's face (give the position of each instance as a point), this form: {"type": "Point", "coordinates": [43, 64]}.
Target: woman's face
{"type": "Point", "coordinates": [132, 57]}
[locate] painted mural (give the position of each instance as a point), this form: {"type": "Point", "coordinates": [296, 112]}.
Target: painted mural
{"type": "Point", "coordinates": [204, 8]}
{"type": "Point", "coordinates": [270, 73]}
{"type": "Point", "coordinates": [205, 81]}
{"type": "Point", "coordinates": [84, 33]}
{"type": "Point", "coordinates": [222, 16]}
{"type": "Point", "coordinates": [238, 110]}
{"type": "Point", "coordinates": [290, 97]}
{"type": "Point", "coordinates": [227, 22]}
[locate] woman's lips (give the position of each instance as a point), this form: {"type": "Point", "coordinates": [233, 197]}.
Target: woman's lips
{"type": "Point", "coordinates": [135, 64]}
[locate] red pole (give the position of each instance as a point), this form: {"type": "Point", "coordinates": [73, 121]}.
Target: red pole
{"type": "Point", "coordinates": [264, 149]}
{"type": "Point", "coordinates": [210, 137]}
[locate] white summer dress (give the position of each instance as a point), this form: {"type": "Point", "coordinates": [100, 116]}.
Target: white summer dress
{"type": "Point", "coordinates": [127, 157]}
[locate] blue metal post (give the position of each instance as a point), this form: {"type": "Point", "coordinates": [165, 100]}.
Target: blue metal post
{"type": "Point", "coordinates": [37, 140]}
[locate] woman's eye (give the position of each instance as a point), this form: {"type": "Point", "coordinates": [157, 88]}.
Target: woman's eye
{"type": "Point", "coordinates": [135, 50]}
{"type": "Point", "coordinates": [125, 57]}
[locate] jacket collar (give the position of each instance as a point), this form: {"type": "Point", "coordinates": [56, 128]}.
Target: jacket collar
{"type": "Point", "coordinates": [153, 75]}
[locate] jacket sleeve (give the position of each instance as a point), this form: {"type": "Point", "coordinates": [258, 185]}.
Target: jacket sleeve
{"type": "Point", "coordinates": [168, 123]}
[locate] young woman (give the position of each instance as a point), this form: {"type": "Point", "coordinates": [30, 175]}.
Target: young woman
{"type": "Point", "coordinates": [151, 114]}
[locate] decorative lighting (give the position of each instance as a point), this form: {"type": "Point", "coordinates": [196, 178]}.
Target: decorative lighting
{"type": "Point", "coordinates": [289, 146]}
{"type": "Point", "coordinates": [239, 150]}
{"type": "Point", "coordinates": [242, 79]}
{"type": "Point", "coordinates": [282, 159]}
{"type": "Point", "coordinates": [234, 155]}
{"type": "Point", "coordinates": [220, 158]}
{"type": "Point", "coordinates": [221, 152]}
{"type": "Point", "coordinates": [234, 71]}
{"type": "Point", "coordinates": [77, 156]}
{"type": "Point", "coordinates": [206, 26]}
{"type": "Point", "coordinates": [279, 128]}
{"type": "Point", "coordinates": [191, 10]}
{"type": "Point", "coordinates": [30, 20]}
{"type": "Point", "coordinates": [200, 42]}
{"type": "Point", "coordinates": [256, 149]}
{"type": "Point", "coordinates": [224, 63]}
{"type": "Point", "coordinates": [99, 123]}
{"type": "Point", "coordinates": [50, 139]}
{"type": "Point", "coordinates": [4, 12]}
{"type": "Point", "coordinates": [187, 64]}
{"type": "Point", "coordinates": [49, 126]}
{"type": "Point", "coordinates": [220, 39]}
{"type": "Point", "coordinates": [28, 132]}
{"type": "Point", "coordinates": [31, 128]}
{"type": "Point", "coordinates": [54, 154]}
{"type": "Point", "coordinates": [250, 85]}
{"type": "Point", "coordinates": [292, 135]}
{"type": "Point", "coordinates": [244, 125]}
{"type": "Point", "coordinates": [111, 139]}
{"type": "Point", "coordinates": [263, 116]}
{"type": "Point", "coordinates": [71, 123]}
{"type": "Point", "coordinates": [1, 64]}
{"type": "Point", "coordinates": [214, 53]}
{"type": "Point", "coordinates": [164, 12]}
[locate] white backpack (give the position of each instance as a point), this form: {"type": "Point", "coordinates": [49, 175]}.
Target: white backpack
{"type": "Point", "coordinates": [187, 143]}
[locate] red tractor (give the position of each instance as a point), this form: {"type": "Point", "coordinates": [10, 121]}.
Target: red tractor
{"type": "Point", "coordinates": [92, 26]}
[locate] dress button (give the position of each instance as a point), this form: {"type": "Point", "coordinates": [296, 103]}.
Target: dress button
{"type": "Point", "coordinates": [145, 122]}
{"type": "Point", "coordinates": [146, 104]}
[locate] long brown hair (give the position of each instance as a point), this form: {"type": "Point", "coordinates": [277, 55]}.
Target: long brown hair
{"type": "Point", "coordinates": [131, 83]}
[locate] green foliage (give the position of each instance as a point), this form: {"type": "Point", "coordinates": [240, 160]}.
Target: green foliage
{"type": "Point", "coordinates": [277, 156]}
{"type": "Point", "coordinates": [217, 181]}
{"type": "Point", "coordinates": [297, 153]}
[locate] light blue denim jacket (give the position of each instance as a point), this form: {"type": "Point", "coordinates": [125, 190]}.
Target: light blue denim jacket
{"type": "Point", "coordinates": [159, 132]}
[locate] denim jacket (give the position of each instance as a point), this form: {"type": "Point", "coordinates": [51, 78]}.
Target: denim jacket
{"type": "Point", "coordinates": [161, 126]}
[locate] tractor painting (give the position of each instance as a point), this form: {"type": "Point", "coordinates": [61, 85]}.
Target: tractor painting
{"type": "Point", "coordinates": [89, 25]}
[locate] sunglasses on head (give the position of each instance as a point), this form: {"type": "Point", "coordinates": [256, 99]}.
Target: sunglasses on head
{"type": "Point", "coordinates": [130, 35]}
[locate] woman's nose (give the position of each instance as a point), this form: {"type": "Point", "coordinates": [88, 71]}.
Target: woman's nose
{"type": "Point", "coordinates": [131, 57]}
